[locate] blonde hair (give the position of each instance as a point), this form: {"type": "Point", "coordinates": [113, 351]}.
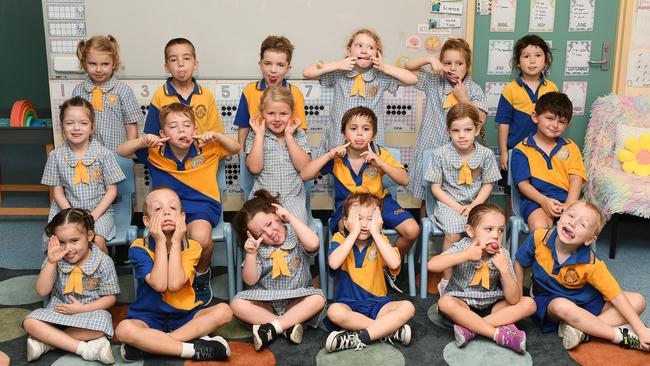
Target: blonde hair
{"type": "Point", "coordinates": [107, 44]}
{"type": "Point", "coordinates": [179, 108]}
{"type": "Point", "coordinates": [370, 34]}
{"type": "Point", "coordinates": [463, 110]}
{"type": "Point", "coordinates": [600, 218]}
{"type": "Point", "coordinates": [276, 93]}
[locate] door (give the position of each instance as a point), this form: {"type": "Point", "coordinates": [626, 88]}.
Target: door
{"type": "Point", "coordinates": [599, 81]}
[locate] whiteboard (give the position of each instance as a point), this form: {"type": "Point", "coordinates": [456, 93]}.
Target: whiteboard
{"type": "Point", "coordinates": [227, 33]}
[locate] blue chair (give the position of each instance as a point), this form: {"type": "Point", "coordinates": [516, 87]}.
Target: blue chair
{"type": "Point", "coordinates": [125, 233]}
{"type": "Point", "coordinates": [517, 222]}
{"type": "Point", "coordinates": [390, 233]}
{"type": "Point", "coordinates": [428, 225]}
{"type": "Point", "coordinates": [221, 233]}
{"type": "Point", "coordinates": [246, 182]}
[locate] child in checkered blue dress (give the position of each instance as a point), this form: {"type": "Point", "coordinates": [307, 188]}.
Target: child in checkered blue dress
{"type": "Point", "coordinates": [360, 79]}
{"type": "Point", "coordinates": [82, 172]}
{"type": "Point", "coordinates": [117, 112]}
{"type": "Point", "coordinates": [483, 296]}
{"type": "Point", "coordinates": [276, 267]}
{"type": "Point", "coordinates": [278, 149]}
{"type": "Point", "coordinates": [461, 173]}
{"type": "Point", "coordinates": [82, 283]}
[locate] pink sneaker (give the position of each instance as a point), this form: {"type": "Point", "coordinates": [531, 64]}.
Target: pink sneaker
{"type": "Point", "coordinates": [511, 327]}
{"type": "Point", "coordinates": [515, 341]}
{"type": "Point", "coordinates": [463, 335]}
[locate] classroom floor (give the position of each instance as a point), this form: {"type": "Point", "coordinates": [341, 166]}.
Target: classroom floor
{"type": "Point", "coordinates": [432, 342]}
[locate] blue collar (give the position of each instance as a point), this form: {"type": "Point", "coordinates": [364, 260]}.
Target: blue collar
{"type": "Point", "coordinates": [171, 91]}
{"type": "Point", "coordinates": [559, 144]}
{"type": "Point", "coordinates": [261, 84]}
{"type": "Point", "coordinates": [193, 151]}
{"type": "Point", "coordinates": [533, 95]}
{"type": "Point", "coordinates": [358, 177]}
{"type": "Point", "coordinates": [360, 255]}
{"type": "Point", "coordinates": [580, 256]}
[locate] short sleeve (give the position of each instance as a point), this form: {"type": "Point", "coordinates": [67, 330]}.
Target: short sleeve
{"type": "Point", "coordinates": [433, 173]}
{"type": "Point", "coordinates": [112, 173]}
{"type": "Point", "coordinates": [242, 118]}
{"type": "Point", "coordinates": [505, 110]}
{"type": "Point", "coordinates": [423, 76]}
{"type": "Point", "coordinates": [141, 262]}
{"type": "Point", "coordinates": [457, 247]}
{"type": "Point", "coordinates": [51, 173]}
{"type": "Point", "coordinates": [328, 168]}
{"type": "Point", "coordinates": [152, 122]}
{"type": "Point", "coordinates": [142, 156]}
{"type": "Point", "coordinates": [577, 166]}
{"type": "Point", "coordinates": [476, 96]}
{"type": "Point", "coordinates": [491, 172]}
{"type": "Point", "coordinates": [526, 253]}
{"type": "Point", "coordinates": [108, 276]}
{"type": "Point", "coordinates": [249, 141]}
{"type": "Point", "coordinates": [131, 113]}
{"type": "Point", "coordinates": [213, 117]}
{"type": "Point", "coordinates": [78, 90]}
{"type": "Point", "coordinates": [301, 139]}
{"type": "Point", "coordinates": [519, 167]}
{"type": "Point", "coordinates": [388, 158]}
{"type": "Point", "coordinates": [327, 80]}
{"type": "Point", "coordinates": [604, 281]}
{"type": "Point", "coordinates": [391, 83]}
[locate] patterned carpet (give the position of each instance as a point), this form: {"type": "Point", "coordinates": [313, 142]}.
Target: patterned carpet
{"type": "Point", "coordinates": [432, 342]}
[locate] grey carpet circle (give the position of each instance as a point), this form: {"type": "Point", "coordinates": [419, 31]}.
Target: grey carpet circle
{"type": "Point", "coordinates": [435, 318]}
{"type": "Point", "coordinates": [70, 359]}
{"type": "Point", "coordinates": [19, 291]}
{"type": "Point", "coordinates": [375, 354]}
{"type": "Point", "coordinates": [484, 352]}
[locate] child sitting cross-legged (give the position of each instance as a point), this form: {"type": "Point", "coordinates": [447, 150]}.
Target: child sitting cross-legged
{"type": "Point", "coordinates": [483, 296]}
{"type": "Point", "coordinates": [358, 257]}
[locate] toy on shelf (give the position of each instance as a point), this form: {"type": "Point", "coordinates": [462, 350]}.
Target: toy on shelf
{"type": "Point", "coordinates": [23, 114]}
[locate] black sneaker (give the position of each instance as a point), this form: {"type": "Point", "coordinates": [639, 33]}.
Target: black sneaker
{"type": "Point", "coordinates": [343, 339]}
{"type": "Point", "coordinates": [629, 340]}
{"type": "Point", "coordinates": [263, 334]}
{"type": "Point", "coordinates": [202, 288]}
{"type": "Point", "coordinates": [294, 334]}
{"type": "Point", "coordinates": [402, 335]}
{"type": "Point", "coordinates": [391, 280]}
{"type": "Point", "coordinates": [130, 353]}
{"type": "Point", "coordinates": [211, 348]}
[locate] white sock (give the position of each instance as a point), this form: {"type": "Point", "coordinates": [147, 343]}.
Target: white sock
{"type": "Point", "coordinates": [201, 273]}
{"type": "Point", "coordinates": [81, 347]}
{"type": "Point", "coordinates": [276, 324]}
{"type": "Point", "coordinates": [629, 328]}
{"type": "Point", "coordinates": [495, 337]}
{"type": "Point", "coordinates": [188, 350]}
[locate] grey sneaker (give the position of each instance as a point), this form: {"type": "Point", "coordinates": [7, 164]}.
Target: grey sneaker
{"type": "Point", "coordinates": [343, 339]}
{"type": "Point", "coordinates": [36, 348]}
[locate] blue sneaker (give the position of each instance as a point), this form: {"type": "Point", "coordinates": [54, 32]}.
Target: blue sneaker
{"type": "Point", "coordinates": [202, 288]}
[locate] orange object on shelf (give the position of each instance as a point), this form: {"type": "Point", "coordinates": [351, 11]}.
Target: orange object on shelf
{"type": "Point", "coordinates": [21, 111]}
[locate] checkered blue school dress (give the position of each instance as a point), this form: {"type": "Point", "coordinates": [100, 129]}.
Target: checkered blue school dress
{"type": "Point", "coordinates": [103, 170]}
{"type": "Point", "coordinates": [444, 169]}
{"type": "Point", "coordinates": [279, 175]}
{"type": "Point", "coordinates": [433, 129]}
{"type": "Point", "coordinates": [461, 278]}
{"type": "Point", "coordinates": [99, 279]}
{"type": "Point", "coordinates": [120, 108]}
{"type": "Point", "coordinates": [376, 83]}
{"type": "Point", "coordinates": [280, 290]}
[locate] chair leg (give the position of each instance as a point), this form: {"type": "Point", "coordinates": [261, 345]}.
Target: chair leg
{"type": "Point", "coordinates": [240, 280]}
{"type": "Point", "coordinates": [514, 240]}
{"type": "Point", "coordinates": [614, 235]}
{"type": "Point", "coordinates": [411, 264]}
{"type": "Point", "coordinates": [230, 262]}
{"type": "Point", "coordinates": [322, 269]}
{"type": "Point", "coordinates": [424, 257]}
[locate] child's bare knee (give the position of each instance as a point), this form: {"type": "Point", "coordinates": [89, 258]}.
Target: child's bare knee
{"type": "Point", "coordinates": [445, 302]}
{"type": "Point", "coordinates": [223, 311]}
{"type": "Point", "coordinates": [407, 308]}
{"type": "Point", "coordinates": [29, 324]}
{"type": "Point", "coordinates": [124, 331]}
{"type": "Point", "coordinates": [529, 304]}
{"type": "Point", "coordinates": [411, 231]}
{"type": "Point", "coordinates": [637, 300]}
{"type": "Point", "coordinates": [335, 312]}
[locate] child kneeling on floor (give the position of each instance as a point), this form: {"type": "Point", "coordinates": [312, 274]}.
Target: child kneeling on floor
{"type": "Point", "coordinates": [574, 291]}
{"type": "Point", "coordinates": [483, 296]}
{"type": "Point", "coordinates": [358, 257]}
{"type": "Point", "coordinates": [166, 314]}
{"type": "Point", "coordinates": [276, 267]}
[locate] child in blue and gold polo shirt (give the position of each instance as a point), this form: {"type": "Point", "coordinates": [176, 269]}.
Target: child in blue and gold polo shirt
{"type": "Point", "coordinates": [166, 314]}
{"type": "Point", "coordinates": [358, 166]}
{"type": "Point", "coordinates": [187, 163]}
{"type": "Point", "coordinates": [573, 287]}
{"type": "Point", "coordinates": [546, 167]}
{"type": "Point", "coordinates": [358, 257]}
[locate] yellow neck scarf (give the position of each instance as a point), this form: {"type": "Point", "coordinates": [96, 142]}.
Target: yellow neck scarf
{"type": "Point", "coordinates": [359, 86]}
{"type": "Point", "coordinates": [279, 264]}
{"type": "Point", "coordinates": [450, 101]}
{"type": "Point", "coordinates": [482, 276]}
{"type": "Point", "coordinates": [465, 175]}
{"type": "Point", "coordinates": [75, 282]}
{"type": "Point", "coordinates": [80, 173]}
{"type": "Point", "coordinates": [97, 99]}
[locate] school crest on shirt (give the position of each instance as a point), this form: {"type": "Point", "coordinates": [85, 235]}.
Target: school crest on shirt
{"type": "Point", "coordinates": [200, 111]}
{"type": "Point", "coordinates": [111, 99]}
{"type": "Point", "coordinates": [295, 263]}
{"type": "Point", "coordinates": [372, 254]}
{"type": "Point", "coordinates": [91, 284]}
{"type": "Point", "coordinates": [371, 171]}
{"type": "Point", "coordinates": [96, 174]}
{"type": "Point", "coordinates": [476, 173]}
{"type": "Point", "coordinates": [571, 276]}
{"type": "Point", "coordinates": [372, 91]}
{"type": "Point", "coordinates": [563, 153]}
{"type": "Point", "coordinates": [197, 161]}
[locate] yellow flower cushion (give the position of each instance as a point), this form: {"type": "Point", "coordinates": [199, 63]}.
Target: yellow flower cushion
{"type": "Point", "coordinates": [635, 155]}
